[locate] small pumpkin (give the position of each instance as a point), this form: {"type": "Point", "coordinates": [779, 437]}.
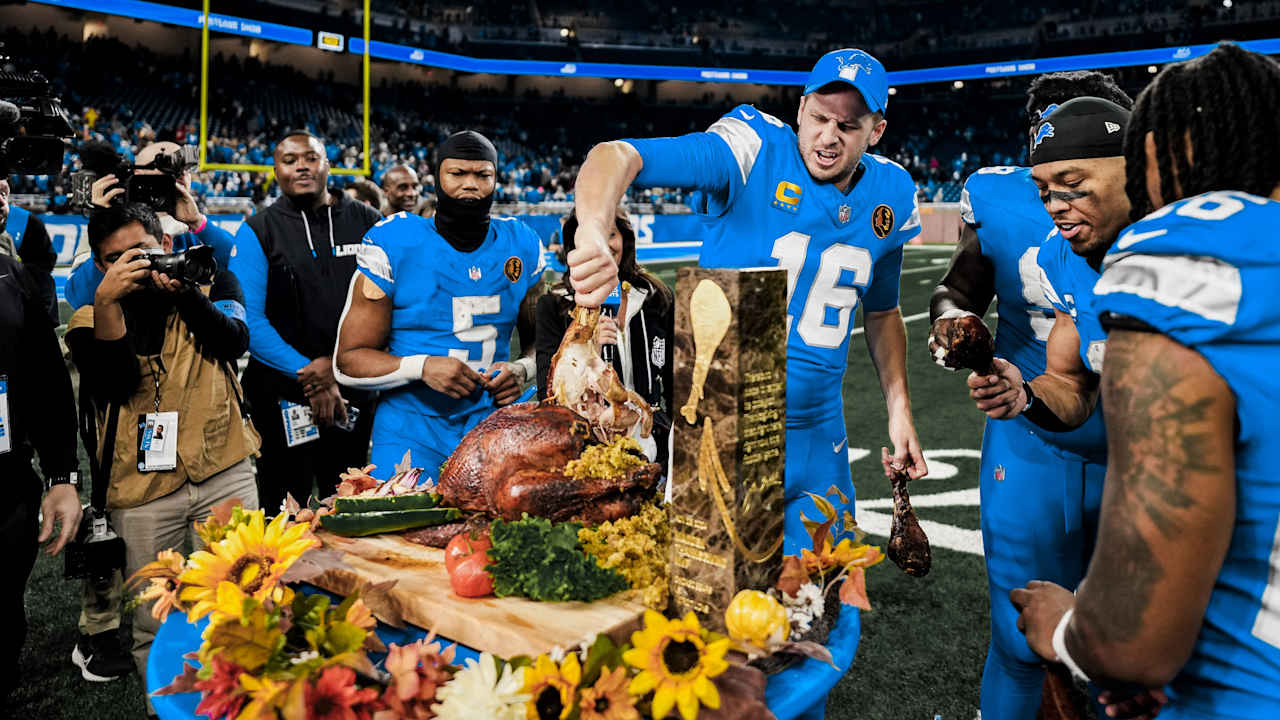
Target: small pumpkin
{"type": "Point", "coordinates": [757, 618]}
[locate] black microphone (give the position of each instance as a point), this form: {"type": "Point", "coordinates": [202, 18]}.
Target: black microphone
{"type": "Point", "coordinates": [607, 309]}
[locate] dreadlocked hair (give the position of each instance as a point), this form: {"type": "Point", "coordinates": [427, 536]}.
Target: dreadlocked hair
{"type": "Point", "coordinates": [1213, 104]}
{"type": "Point", "coordinates": [1057, 88]}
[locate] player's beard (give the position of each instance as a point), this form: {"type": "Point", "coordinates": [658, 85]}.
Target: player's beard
{"type": "Point", "coordinates": [463, 222]}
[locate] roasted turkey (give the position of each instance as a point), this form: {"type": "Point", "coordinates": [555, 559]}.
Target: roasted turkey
{"type": "Point", "coordinates": [582, 381]}
{"type": "Point", "coordinates": [513, 463]}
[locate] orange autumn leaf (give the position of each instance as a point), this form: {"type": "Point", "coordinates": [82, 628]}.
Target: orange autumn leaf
{"type": "Point", "coordinates": [793, 575]}
{"type": "Point", "coordinates": [853, 591]}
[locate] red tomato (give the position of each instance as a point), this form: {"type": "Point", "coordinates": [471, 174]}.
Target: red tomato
{"type": "Point", "coordinates": [469, 578]}
{"type": "Point", "coordinates": [463, 545]}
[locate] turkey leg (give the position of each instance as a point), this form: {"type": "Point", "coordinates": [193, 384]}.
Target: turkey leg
{"type": "Point", "coordinates": [908, 545]}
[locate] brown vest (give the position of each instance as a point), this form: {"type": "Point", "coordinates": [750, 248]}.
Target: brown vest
{"type": "Point", "coordinates": [213, 435]}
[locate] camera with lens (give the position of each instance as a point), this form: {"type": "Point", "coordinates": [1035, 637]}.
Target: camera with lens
{"type": "Point", "coordinates": [97, 551]}
{"type": "Point", "coordinates": [34, 127]}
{"type": "Point", "coordinates": [156, 190]}
{"type": "Point", "coordinates": [193, 266]}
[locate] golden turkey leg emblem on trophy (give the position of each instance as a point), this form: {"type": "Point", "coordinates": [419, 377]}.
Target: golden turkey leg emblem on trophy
{"type": "Point", "coordinates": [710, 317]}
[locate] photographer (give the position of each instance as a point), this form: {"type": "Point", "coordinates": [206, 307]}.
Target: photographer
{"type": "Point", "coordinates": [185, 226]}
{"type": "Point", "coordinates": [154, 349]}
{"type": "Point", "coordinates": [37, 412]}
{"type": "Point", "coordinates": [295, 260]}
{"type": "Point", "coordinates": [28, 240]}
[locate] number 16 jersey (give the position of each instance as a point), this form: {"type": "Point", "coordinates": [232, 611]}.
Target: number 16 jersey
{"type": "Point", "coordinates": [839, 249]}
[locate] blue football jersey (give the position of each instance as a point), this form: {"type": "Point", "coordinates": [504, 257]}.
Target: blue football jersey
{"type": "Point", "coordinates": [1069, 288]}
{"type": "Point", "coordinates": [837, 248]}
{"type": "Point", "coordinates": [1003, 206]}
{"type": "Point", "coordinates": [446, 302]}
{"type": "Point", "coordinates": [1204, 271]}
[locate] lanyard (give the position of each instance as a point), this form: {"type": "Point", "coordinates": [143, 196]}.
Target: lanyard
{"type": "Point", "coordinates": [155, 377]}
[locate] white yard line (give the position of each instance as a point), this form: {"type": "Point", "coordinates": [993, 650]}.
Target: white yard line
{"type": "Point", "coordinates": [910, 318]}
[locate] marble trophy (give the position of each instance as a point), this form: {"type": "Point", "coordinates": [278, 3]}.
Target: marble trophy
{"type": "Point", "coordinates": [727, 506]}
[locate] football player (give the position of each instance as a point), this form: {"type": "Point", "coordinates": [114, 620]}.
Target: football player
{"type": "Point", "coordinates": [813, 202]}
{"type": "Point", "coordinates": [1040, 490]}
{"type": "Point", "coordinates": [1078, 169]}
{"type": "Point", "coordinates": [1184, 588]}
{"type": "Point", "coordinates": [441, 373]}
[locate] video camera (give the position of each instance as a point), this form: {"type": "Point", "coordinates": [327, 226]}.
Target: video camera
{"type": "Point", "coordinates": [34, 127]}
{"type": "Point", "coordinates": [155, 190]}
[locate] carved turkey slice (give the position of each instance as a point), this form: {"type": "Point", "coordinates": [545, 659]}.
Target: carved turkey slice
{"type": "Point", "coordinates": [582, 381]}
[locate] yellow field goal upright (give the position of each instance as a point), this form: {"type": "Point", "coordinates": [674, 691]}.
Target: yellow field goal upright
{"type": "Point", "coordinates": [364, 168]}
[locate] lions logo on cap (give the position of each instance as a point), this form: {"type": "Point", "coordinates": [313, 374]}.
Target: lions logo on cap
{"type": "Point", "coordinates": [513, 268]}
{"type": "Point", "coordinates": [1044, 131]}
{"type": "Point", "coordinates": [849, 66]}
{"type": "Point", "coordinates": [882, 221]}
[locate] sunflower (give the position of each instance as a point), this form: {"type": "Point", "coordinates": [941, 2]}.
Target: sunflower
{"type": "Point", "coordinates": [677, 660]}
{"type": "Point", "coordinates": [252, 557]}
{"type": "Point", "coordinates": [552, 687]}
{"type": "Point", "coordinates": [608, 699]}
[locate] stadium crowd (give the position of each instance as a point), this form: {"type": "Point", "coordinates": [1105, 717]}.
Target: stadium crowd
{"type": "Point", "coordinates": [539, 138]}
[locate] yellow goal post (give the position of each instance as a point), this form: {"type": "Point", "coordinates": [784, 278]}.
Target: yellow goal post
{"type": "Point", "coordinates": [364, 168]}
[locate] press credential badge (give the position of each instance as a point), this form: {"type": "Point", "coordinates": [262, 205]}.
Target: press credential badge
{"type": "Point", "coordinates": [158, 441]}
{"type": "Point", "coordinates": [298, 426]}
{"type": "Point", "coordinates": [6, 430]}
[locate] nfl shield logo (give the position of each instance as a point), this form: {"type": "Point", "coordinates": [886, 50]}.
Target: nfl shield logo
{"type": "Point", "coordinates": [999, 473]}
{"type": "Point", "coordinates": [844, 214]}
{"type": "Point", "coordinates": [474, 273]}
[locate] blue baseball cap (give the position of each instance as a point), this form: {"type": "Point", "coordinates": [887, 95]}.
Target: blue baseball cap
{"type": "Point", "coordinates": [852, 67]}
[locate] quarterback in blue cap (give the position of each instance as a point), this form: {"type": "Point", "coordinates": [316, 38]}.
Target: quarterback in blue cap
{"type": "Point", "coordinates": [815, 202]}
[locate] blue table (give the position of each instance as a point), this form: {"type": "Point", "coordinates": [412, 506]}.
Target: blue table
{"type": "Point", "coordinates": [799, 692]}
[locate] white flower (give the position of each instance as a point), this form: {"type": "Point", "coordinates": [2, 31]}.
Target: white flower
{"type": "Point", "coordinates": [478, 691]}
{"type": "Point", "coordinates": [804, 608]}
{"type": "Point", "coordinates": [305, 657]}
{"type": "Point", "coordinates": [556, 654]}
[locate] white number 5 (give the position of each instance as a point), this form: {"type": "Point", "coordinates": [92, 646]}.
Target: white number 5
{"type": "Point", "coordinates": [826, 291]}
{"type": "Point", "coordinates": [464, 328]}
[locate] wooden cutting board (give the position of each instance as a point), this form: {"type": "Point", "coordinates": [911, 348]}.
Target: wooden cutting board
{"type": "Point", "coordinates": [422, 596]}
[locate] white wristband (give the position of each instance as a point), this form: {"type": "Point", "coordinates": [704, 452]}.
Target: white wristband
{"type": "Point", "coordinates": [529, 366]}
{"type": "Point", "coordinates": [1060, 647]}
{"type": "Point", "coordinates": [409, 371]}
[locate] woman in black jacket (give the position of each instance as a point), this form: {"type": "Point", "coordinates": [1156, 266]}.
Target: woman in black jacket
{"type": "Point", "coordinates": [641, 343]}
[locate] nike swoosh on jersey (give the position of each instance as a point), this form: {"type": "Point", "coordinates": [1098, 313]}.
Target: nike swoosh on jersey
{"type": "Point", "coordinates": [746, 115]}
{"type": "Point", "coordinates": [837, 447]}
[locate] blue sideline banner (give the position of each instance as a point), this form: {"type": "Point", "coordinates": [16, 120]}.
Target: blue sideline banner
{"type": "Point", "coordinates": [659, 238]}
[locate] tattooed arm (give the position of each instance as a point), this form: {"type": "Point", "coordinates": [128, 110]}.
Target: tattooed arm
{"type": "Point", "coordinates": [1168, 510]}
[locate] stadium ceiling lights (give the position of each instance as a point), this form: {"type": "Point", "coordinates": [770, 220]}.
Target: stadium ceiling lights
{"type": "Point", "coordinates": [389, 51]}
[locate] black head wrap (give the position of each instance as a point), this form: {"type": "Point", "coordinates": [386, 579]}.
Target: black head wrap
{"type": "Point", "coordinates": [1086, 127]}
{"type": "Point", "coordinates": [464, 222]}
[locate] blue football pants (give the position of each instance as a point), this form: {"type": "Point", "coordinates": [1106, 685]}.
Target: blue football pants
{"type": "Point", "coordinates": [817, 458]}
{"type": "Point", "coordinates": [1039, 508]}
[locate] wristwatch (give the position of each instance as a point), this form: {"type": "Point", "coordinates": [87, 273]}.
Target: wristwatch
{"type": "Point", "coordinates": [72, 478]}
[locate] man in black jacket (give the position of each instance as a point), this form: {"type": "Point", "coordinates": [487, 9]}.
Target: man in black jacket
{"type": "Point", "coordinates": [295, 260]}
{"type": "Point", "coordinates": [28, 239]}
{"type": "Point", "coordinates": [37, 412]}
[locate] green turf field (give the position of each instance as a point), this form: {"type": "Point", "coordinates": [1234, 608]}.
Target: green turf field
{"type": "Point", "coordinates": [922, 648]}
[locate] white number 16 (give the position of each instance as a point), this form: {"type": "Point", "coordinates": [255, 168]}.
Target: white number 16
{"type": "Point", "coordinates": [826, 291]}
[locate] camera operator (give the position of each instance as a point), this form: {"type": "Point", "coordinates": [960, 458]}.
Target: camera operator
{"type": "Point", "coordinates": [28, 239]}
{"type": "Point", "coordinates": [186, 227]}
{"type": "Point", "coordinates": [295, 260]}
{"type": "Point", "coordinates": [38, 413]}
{"type": "Point", "coordinates": [158, 350]}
